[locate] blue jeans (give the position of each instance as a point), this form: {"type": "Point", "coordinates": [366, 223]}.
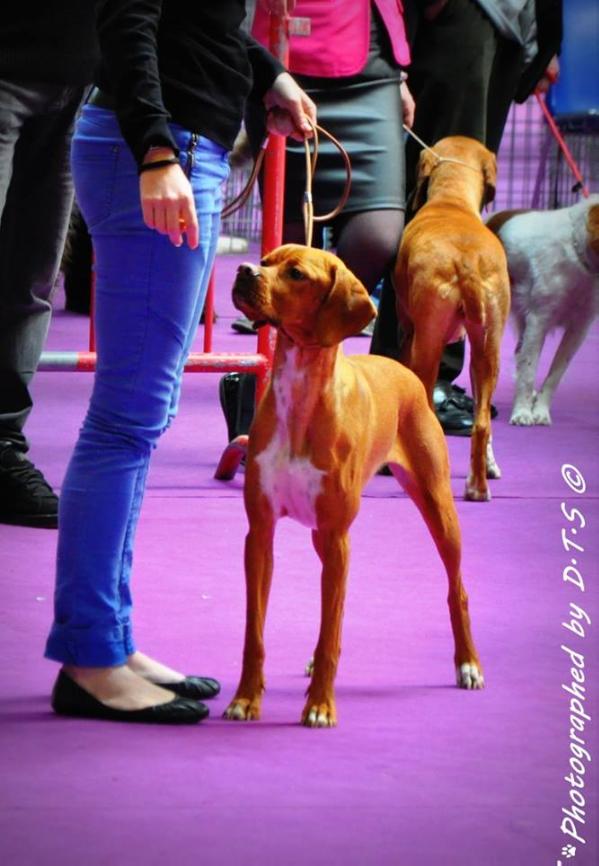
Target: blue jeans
{"type": "Point", "coordinates": [149, 296]}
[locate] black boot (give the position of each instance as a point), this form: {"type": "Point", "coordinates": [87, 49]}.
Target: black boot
{"type": "Point", "coordinates": [26, 498]}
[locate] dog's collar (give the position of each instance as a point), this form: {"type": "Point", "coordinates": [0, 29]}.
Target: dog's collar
{"type": "Point", "coordinates": [440, 159]}
{"type": "Point", "coordinates": [589, 263]}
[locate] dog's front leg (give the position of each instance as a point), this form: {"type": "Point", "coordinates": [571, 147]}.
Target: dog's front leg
{"type": "Point", "coordinates": [258, 574]}
{"type": "Point", "coordinates": [528, 352]}
{"type": "Point", "coordinates": [570, 343]}
{"type": "Point", "coordinates": [333, 549]}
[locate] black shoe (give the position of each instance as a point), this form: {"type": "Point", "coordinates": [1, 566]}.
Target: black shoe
{"type": "Point", "coordinates": [243, 326]}
{"type": "Point", "coordinates": [464, 400]}
{"type": "Point", "coordinates": [237, 394]}
{"type": "Point", "coordinates": [195, 688]}
{"type": "Point", "coordinates": [452, 410]}
{"type": "Point", "coordinates": [455, 409]}
{"type": "Point", "coordinates": [26, 498]}
{"type": "Point", "coordinates": [69, 699]}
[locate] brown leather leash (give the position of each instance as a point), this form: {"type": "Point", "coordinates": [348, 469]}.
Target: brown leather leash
{"type": "Point", "coordinates": [309, 217]}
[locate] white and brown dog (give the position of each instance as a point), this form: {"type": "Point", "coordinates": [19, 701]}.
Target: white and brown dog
{"type": "Point", "coordinates": [553, 263]}
{"type": "Point", "coordinates": [325, 425]}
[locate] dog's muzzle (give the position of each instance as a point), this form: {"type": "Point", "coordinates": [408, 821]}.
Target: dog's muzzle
{"type": "Point", "coordinates": [244, 287]}
{"type": "Point", "coordinates": [246, 293]}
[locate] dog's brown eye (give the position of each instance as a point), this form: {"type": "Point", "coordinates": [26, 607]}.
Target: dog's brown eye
{"type": "Point", "coordinates": [296, 274]}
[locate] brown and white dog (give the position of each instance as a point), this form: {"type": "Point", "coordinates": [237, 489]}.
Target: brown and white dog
{"type": "Point", "coordinates": [450, 276]}
{"type": "Point", "coordinates": [553, 263]}
{"type": "Point", "coordinates": [325, 425]}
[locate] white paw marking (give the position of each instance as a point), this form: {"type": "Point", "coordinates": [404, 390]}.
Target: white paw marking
{"type": "Point", "coordinates": [473, 494]}
{"type": "Point", "coordinates": [314, 719]}
{"type": "Point", "coordinates": [493, 470]}
{"type": "Point", "coordinates": [541, 415]}
{"type": "Point", "coordinates": [522, 418]}
{"type": "Point", "coordinates": [468, 676]}
{"type": "Point", "coordinates": [237, 712]}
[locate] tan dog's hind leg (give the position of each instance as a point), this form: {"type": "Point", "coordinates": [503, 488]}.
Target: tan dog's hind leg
{"type": "Point", "coordinates": [424, 475]}
{"type": "Point", "coordinates": [258, 570]}
{"type": "Point", "coordinates": [425, 357]}
{"type": "Point", "coordinates": [333, 549]}
{"type": "Point", "coordinates": [484, 367]}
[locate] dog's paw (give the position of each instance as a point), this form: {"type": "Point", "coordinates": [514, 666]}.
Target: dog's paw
{"type": "Point", "coordinates": [309, 669]}
{"type": "Point", "coordinates": [541, 415]}
{"type": "Point", "coordinates": [522, 417]}
{"type": "Point", "coordinates": [243, 710]}
{"type": "Point", "coordinates": [470, 676]}
{"type": "Point", "coordinates": [322, 715]}
{"type": "Point", "coordinates": [493, 470]}
{"type": "Point", "coordinates": [473, 494]}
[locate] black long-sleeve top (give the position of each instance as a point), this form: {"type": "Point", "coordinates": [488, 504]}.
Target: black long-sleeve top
{"type": "Point", "coordinates": [52, 41]}
{"type": "Point", "coordinates": [182, 60]}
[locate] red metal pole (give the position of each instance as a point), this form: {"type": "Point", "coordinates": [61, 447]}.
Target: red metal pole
{"type": "Point", "coordinates": [92, 305]}
{"type": "Point", "coordinates": [209, 314]}
{"type": "Point", "coordinates": [273, 190]}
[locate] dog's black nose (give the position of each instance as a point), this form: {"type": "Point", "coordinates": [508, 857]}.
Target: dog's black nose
{"type": "Point", "coordinates": [247, 270]}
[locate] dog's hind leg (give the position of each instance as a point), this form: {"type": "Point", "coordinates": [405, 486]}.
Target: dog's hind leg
{"type": "Point", "coordinates": [484, 368]}
{"type": "Point", "coordinates": [258, 570]}
{"type": "Point", "coordinates": [332, 547]}
{"type": "Point", "coordinates": [425, 356]}
{"type": "Point", "coordinates": [570, 343]}
{"type": "Point", "coordinates": [424, 475]}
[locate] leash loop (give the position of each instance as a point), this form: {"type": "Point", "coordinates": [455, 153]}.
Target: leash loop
{"type": "Point", "coordinates": [311, 159]}
{"type": "Point", "coordinates": [308, 206]}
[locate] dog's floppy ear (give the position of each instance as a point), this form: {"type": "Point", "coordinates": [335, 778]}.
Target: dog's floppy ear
{"type": "Point", "coordinates": [426, 163]}
{"type": "Point", "coordinates": [489, 169]}
{"type": "Point", "coordinates": [346, 310]}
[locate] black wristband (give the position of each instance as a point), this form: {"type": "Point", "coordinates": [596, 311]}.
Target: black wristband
{"type": "Point", "coordinates": [158, 163]}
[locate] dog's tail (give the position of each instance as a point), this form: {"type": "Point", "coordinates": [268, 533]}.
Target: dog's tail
{"type": "Point", "coordinates": [472, 291]}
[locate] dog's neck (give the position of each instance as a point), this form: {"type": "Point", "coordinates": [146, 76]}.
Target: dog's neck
{"type": "Point", "coordinates": [452, 184]}
{"type": "Point", "coordinates": [302, 378]}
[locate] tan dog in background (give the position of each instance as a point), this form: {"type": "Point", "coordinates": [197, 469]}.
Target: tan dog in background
{"type": "Point", "coordinates": [324, 427]}
{"type": "Point", "coordinates": [450, 276]}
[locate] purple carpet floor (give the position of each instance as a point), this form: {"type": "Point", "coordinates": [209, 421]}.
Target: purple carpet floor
{"type": "Point", "coordinates": [418, 773]}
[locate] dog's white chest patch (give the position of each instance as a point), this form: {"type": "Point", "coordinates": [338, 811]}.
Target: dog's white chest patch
{"type": "Point", "coordinates": [292, 484]}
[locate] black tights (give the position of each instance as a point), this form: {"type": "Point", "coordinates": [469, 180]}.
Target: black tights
{"type": "Point", "coordinates": [366, 242]}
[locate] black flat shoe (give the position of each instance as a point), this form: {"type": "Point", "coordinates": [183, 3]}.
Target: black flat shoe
{"type": "Point", "coordinates": [455, 409]}
{"type": "Point", "coordinates": [195, 688]}
{"type": "Point", "coordinates": [69, 699]}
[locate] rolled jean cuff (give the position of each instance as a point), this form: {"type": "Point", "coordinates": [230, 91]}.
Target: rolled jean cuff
{"type": "Point", "coordinates": [90, 648]}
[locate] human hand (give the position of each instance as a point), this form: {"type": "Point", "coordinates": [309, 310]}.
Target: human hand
{"type": "Point", "coordinates": [278, 7]}
{"type": "Point", "coordinates": [290, 110]}
{"type": "Point", "coordinates": [167, 201]}
{"type": "Point", "coordinates": [408, 106]}
{"type": "Point", "coordinates": [549, 77]}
